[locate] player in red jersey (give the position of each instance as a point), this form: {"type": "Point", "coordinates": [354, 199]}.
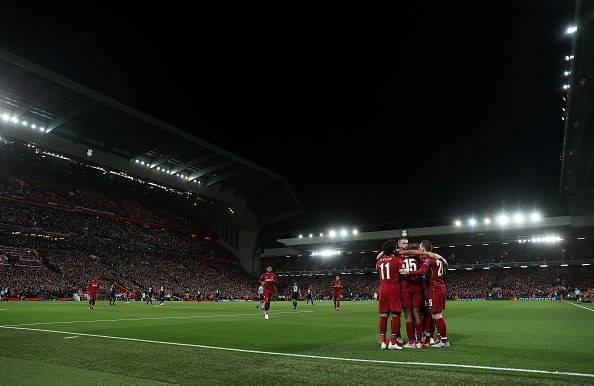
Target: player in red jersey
{"type": "Point", "coordinates": [390, 301]}
{"type": "Point", "coordinates": [434, 267]}
{"type": "Point", "coordinates": [93, 290]}
{"type": "Point", "coordinates": [269, 282]}
{"type": "Point", "coordinates": [336, 288]}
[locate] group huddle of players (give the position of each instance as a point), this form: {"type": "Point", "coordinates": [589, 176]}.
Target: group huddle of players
{"type": "Point", "coordinates": [410, 280]}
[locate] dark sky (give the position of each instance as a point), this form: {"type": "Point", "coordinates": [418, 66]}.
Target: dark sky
{"type": "Point", "coordinates": [462, 98]}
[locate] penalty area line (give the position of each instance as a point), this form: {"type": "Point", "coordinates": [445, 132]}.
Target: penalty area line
{"type": "Point", "coordinates": [451, 365]}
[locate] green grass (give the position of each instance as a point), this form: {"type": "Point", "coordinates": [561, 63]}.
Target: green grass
{"type": "Point", "coordinates": [552, 336]}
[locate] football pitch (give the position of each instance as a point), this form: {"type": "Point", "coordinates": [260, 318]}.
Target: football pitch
{"type": "Point", "coordinates": [548, 342]}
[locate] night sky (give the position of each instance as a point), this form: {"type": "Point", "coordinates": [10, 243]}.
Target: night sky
{"type": "Point", "coordinates": [460, 101]}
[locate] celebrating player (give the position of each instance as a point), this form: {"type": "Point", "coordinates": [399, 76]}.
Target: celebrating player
{"type": "Point", "coordinates": [336, 288]}
{"type": "Point", "coordinates": [390, 301]}
{"type": "Point", "coordinates": [434, 267]}
{"type": "Point", "coordinates": [268, 281]}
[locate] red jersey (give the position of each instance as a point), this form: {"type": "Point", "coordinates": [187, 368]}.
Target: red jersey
{"type": "Point", "coordinates": [387, 269]}
{"type": "Point", "coordinates": [268, 280]}
{"type": "Point", "coordinates": [432, 268]}
{"type": "Point", "coordinates": [93, 288]}
{"type": "Point", "coordinates": [412, 263]}
{"type": "Point", "coordinates": [337, 285]}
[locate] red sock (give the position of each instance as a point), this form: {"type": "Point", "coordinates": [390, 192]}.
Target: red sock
{"type": "Point", "coordinates": [441, 328]}
{"type": "Point", "coordinates": [419, 330]}
{"type": "Point", "coordinates": [410, 331]}
{"type": "Point", "coordinates": [266, 306]}
{"type": "Point", "coordinates": [383, 326]}
{"type": "Point", "coordinates": [427, 323]}
{"type": "Point", "coordinates": [395, 327]}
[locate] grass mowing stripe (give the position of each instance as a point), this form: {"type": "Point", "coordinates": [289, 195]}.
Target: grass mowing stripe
{"type": "Point", "coordinates": [149, 318]}
{"type": "Point", "coordinates": [452, 365]}
{"type": "Point", "coordinates": [577, 305]}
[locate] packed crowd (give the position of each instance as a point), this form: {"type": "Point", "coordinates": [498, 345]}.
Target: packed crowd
{"type": "Point", "coordinates": [52, 206]}
{"type": "Point", "coordinates": [70, 264]}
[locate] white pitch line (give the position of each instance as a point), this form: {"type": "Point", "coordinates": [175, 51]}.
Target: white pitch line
{"type": "Point", "coordinates": [508, 369]}
{"type": "Point", "coordinates": [150, 318]}
{"type": "Point", "coordinates": [71, 337]}
{"type": "Point", "coordinates": [577, 305]}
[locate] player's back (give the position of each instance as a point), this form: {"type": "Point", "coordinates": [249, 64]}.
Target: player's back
{"type": "Point", "coordinates": [387, 269]}
{"type": "Point", "coordinates": [437, 272]}
{"type": "Point", "coordinates": [412, 263]}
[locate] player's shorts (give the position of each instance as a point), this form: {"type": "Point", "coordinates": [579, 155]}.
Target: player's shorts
{"type": "Point", "coordinates": [308, 296]}
{"type": "Point", "coordinates": [412, 297]}
{"type": "Point", "coordinates": [267, 294]}
{"type": "Point", "coordinates": [437, 299]}
{"type": "Point", "coordinates": [261, 296]}
{"type": "Point", "coordinates": [390, 301]}
{"type": "Point", "coordinates": [295, 296]}
{"type": "Point", "coordinates": [336, 295]}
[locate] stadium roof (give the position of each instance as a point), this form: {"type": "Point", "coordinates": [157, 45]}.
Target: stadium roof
{"type": "Point", "coordinates": [565, 226]}
{"type": "Point", "coordinates": [577, 171]}
{"type": "Point", "coordinates": [74, 119]}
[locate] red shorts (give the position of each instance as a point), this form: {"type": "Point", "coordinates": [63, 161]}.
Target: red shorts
{"type": "Point", "coordinates": [437, 299]}
{"type": "Point", "coordinates": [390, 302]}
{"type": "Point", "coordinates": [336, 295]}
{"type": "Point", "coordinates": [267, 294]}
{"type": "Point", "coordinates": [412, 297]}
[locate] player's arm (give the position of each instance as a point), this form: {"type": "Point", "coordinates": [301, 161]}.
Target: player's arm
{"type": "Point", "coordinates": [381, 254]}
{"type": "Point", "coordinates": [415, 252]}
{"type": "Point", "coordinates": [439, 257]}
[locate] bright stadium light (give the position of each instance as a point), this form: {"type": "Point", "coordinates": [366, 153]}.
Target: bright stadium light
{"type": "Point", "coordinates": [566, 57]}
{"type": "Point", "coordinates": [564, 265]}
{"type": "Point", "coordinates": [25, 123]}
{"type": "Point", "coordinates": [458, 223]}
{"type": "Point", "coordinates": [321, 234]}
{"type": "Point", "coordinates": [472, 222]}
{"type": "Point", "coordinates": [518, 218]}
{"type": "Point", "coordinates": [355, 232]}
{"type": "Point", "coordinates": [565, 86]}
{"type": "Point", "coordinates": [6, 117]}
{"type": "Point", "coordinates": [332, 233]}
{"type": "Point", "coordinates": [343, 232]}
{"type": "Point", "coordinates": [523, 266]}
{"type": "Point", "coordinates": [535, 217]}
{"type": "Point", "coordinates": [311, 235]}
{"type": "Point", "coordinates": [34, 126]}
{"type": "Point", "coordinates": [487, 221]}
{"type": "Point", "coordinates": [502, 219]}
{"type": "Point", "coordinates": [571, 29]}
{"type": "Point", "coordinates": [300, 236]}
{"type": "Point", "coordinates": [567, 73]}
